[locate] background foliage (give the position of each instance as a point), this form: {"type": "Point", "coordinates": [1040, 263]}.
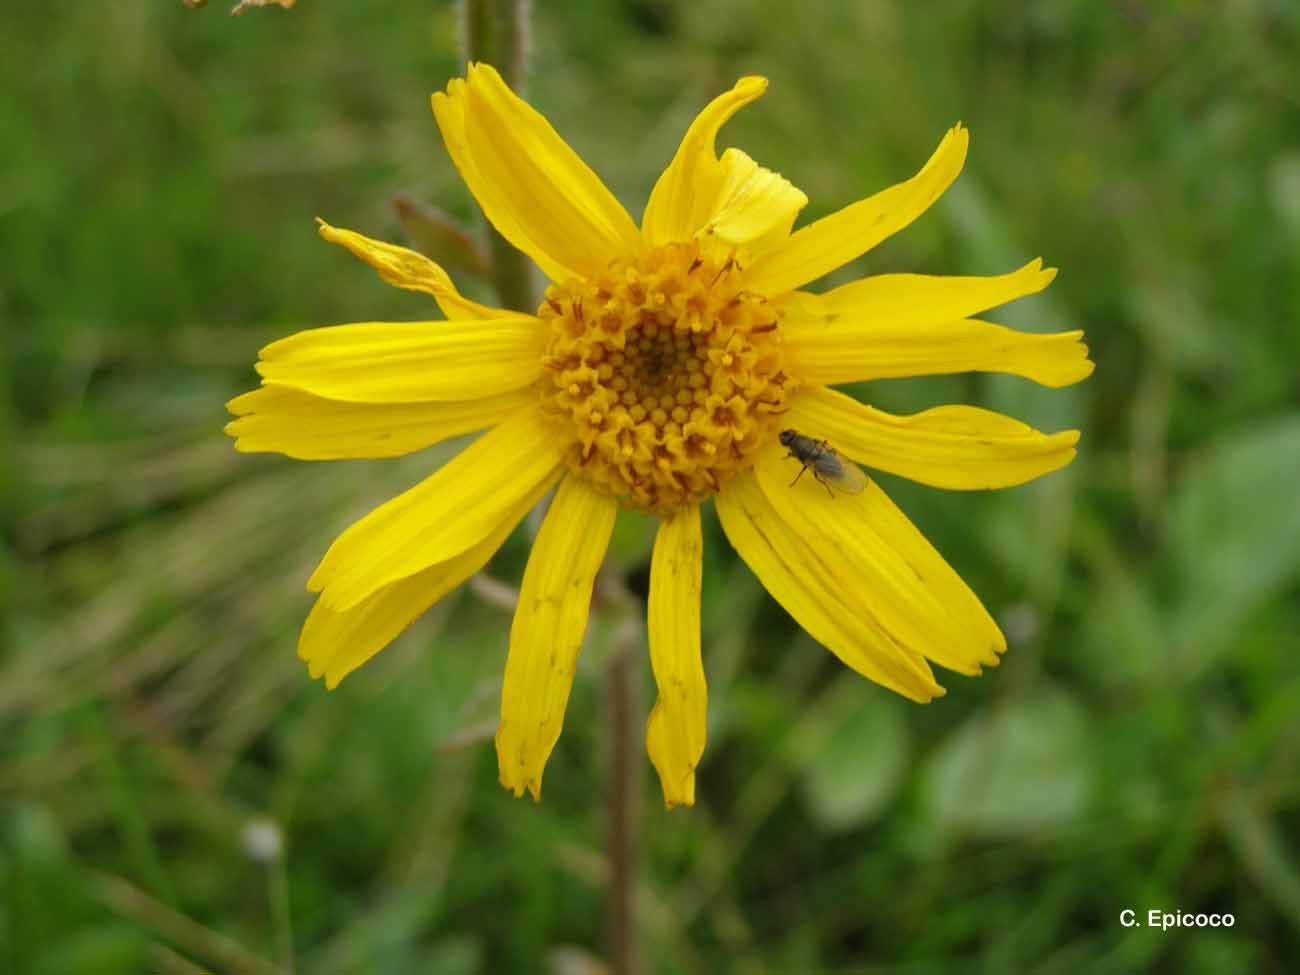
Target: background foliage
{"type": "Point", "coordinates": [1138, 748]}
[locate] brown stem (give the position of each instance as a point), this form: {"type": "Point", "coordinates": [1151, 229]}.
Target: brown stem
{"type": "Point", "coordinates": [622, 800]}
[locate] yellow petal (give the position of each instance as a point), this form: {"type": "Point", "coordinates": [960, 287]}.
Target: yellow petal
{"type": "Point", "coordinates": [336, 643]}
{"type": "Point", "coordinates": [405, 268]}
{"type": "Point", "coordinates": [675, 731]}
{"type": "Point", "coordinates": [409, 362]}
{"type": "Point", "coordinates": [756, 207]}
{"type": "Point", "coordinates": [445, 514]}
{"type": "Point", "coordinates": [802, 574]}
{"type": "Point", "coordinates": [845, 352]}
{"type": "Point", "coordinates": [449, 112]}
{"type": "Point", "coordinates": [835, 240]}
{"type": "Point", "coordinates": [686, 194]}
{"type": "Point", "coordinates": [887, 574]}
{"type": "Point", "coordinates": [287, 420]}
{"type": "Point", "coordinates": [899, 299]}
{"type": "Point", "coordinates": [547, 631]}
{"type": "Point", "coordinates": [534, 188]}
{"type": "Point", "coordinates": [957, 447]}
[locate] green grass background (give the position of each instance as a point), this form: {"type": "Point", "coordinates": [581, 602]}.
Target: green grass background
{"type": "Point", "coordinates": [1137, 749]}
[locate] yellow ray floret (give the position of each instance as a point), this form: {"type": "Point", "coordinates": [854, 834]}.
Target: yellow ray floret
{"type": "Point", "coordinates": [409, 362]}
{"type": "Point", "coordinates": [915, 299]}
{"type": "Point", "coordinates": [405, 268]}
{"type": "Point", "coordinates": [519, 169]}
{"type": "Point", "coordinates": [336, 642]}
{"type": "Point", "coordinates": [887, 574]}
{"type": "Point", "coordinates": [962, 448]}
{"type": "Point", "coordinates": [797, 571]}
{"type": "Point", "coordinates": [847, 352]}
{"type": "Point", "coordinates": [686, 194]}
{"type": "Point", "coordinates": [443, 515]}
{"type": "Point", "coordinates": [755, 207]}
{"type": "Point", "coordinates": [547, 631]}
{"type": "Point", "coordinates": [675, 731]}
{"type": "Point", "coordinates": [299, 424]}
{"type": "Point", "coordinates": [833, 241]}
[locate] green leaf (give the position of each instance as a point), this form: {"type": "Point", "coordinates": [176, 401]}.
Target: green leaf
{"type": "Point", "coordinates": [1019, 768]}
{"type": "Point", "coordinates": [853, 752]}
{"type": "Point", "coordinates": [1235, 526]}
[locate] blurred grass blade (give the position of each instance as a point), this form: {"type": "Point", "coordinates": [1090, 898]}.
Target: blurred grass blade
{"type": "Point", "coordinates": [1260, 847]}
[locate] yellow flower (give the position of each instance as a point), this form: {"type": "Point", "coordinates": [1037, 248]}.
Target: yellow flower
{"type": "Point", "coordinates": [658, 372]}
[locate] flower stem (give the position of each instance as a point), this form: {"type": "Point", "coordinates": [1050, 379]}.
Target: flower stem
{"type": "Point", "coordinates": [498, 32]}
{"type": "Point", "coordinates": [622, 799]}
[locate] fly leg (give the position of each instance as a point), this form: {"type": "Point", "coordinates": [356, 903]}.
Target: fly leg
{"type": "Point", "coordinates": [822, 447]}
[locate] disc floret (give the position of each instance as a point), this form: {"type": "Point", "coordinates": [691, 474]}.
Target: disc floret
{"type": "Point", "coordinates": [664, 374]}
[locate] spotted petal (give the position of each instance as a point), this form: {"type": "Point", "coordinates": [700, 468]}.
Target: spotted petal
{"type": "Point", "coordinates": [547, 631]}
{"type": "Point", "coordinates": [675, 732]}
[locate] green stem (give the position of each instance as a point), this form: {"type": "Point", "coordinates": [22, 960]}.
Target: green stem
{"type": "Point", "coordinates": [281, 915]}
{"type": "Point", "coordinates": [497, 32]}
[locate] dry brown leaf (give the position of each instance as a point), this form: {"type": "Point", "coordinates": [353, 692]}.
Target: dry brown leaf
{"type": "Point", "coordinates": [245, 4]}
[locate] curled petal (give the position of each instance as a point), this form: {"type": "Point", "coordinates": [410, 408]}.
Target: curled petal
{"type": "Point", "coordinates": [687, 192]}
{"type": "Point", "coordinates": [405, 268]}
{"type": "Point", "coordinates": [756, 207]}
{"type": "Point", "coordinates": [849, 233]}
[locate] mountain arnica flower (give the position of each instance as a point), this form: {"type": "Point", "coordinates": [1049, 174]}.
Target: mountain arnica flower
{"type": "Point", "coordinates": [658, 372]}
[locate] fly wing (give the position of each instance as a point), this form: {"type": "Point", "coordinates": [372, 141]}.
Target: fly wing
{"type": "Point", "coordinates": [842, 475]}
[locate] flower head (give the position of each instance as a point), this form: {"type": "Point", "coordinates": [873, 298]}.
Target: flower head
{"type": "Point", "coordinates": [658, 372]}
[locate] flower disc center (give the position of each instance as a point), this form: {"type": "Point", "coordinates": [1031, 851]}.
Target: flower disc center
{"type": "Point", "coordinates": [665, 375]}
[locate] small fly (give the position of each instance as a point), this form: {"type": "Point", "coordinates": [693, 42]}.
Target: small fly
{"type": "Point", "coordinates": [828, 467]}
